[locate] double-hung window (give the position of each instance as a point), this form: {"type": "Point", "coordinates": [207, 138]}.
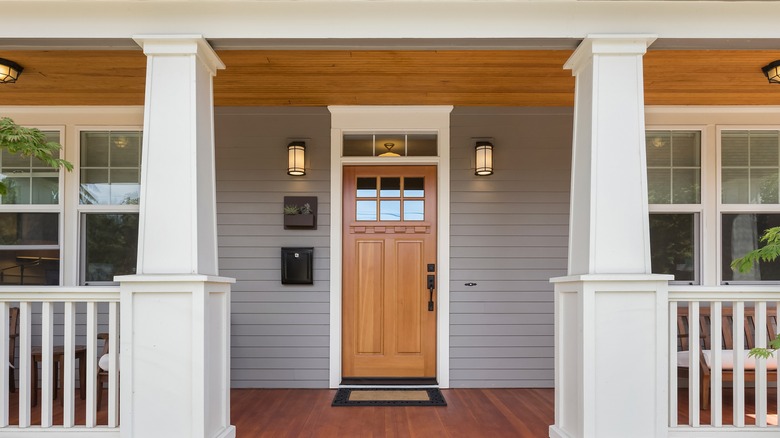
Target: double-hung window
{"type": "Point", "coordinates": [749, 201]}
{"type": "Point", "coordinates": [30, 213]}
{"type": "Point", "coordinates": [109, 190]}
{"type": "Point", "coordinates": [674, 194]}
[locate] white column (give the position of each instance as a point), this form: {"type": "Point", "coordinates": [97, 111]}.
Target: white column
{"type": "Point", "coordinates": [175, 313]}
{"type": "Point", "coordinates": [610, 312]}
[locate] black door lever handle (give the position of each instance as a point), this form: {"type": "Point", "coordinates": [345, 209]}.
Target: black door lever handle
{"type": "Point", "coordinates": [431, 287]}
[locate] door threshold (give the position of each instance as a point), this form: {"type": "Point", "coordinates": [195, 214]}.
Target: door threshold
{"type": "Point", "coordinates": [389, 381]}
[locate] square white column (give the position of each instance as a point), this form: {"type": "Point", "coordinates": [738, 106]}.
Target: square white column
{"type": "Point", "coordinates": [175, 313]}
{"type": "Point", "coordinates": [610, 312]}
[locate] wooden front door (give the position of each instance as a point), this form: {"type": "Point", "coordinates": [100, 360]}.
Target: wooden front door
{"type": "Point", "coordinates": [389, 313]}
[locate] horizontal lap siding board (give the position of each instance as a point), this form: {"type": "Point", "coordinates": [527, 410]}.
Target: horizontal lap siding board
{"type": "Point", "coordinates": [509, 234]}
{"type": "Point", "coordinates": [279, 333]}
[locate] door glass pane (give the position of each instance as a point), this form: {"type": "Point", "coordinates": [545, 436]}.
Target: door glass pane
{"type": "Point", "coordinates": [414, 187]}
{"type": "Point", "coordinates": [414, 210]}
{"type": "Point", "coordinates": [673, 245]}
{"type": "Point", "coordinates": [390, 210]}
{"type": "Point", "coordinates": [741, 233]}
{"type": "Point", "coordinates": [366, 187]}
{"type": "Point", "coordinates": [390, 187]}
{"type": "Point", "coordinates": [111, 245]}
{"type": "Point", "coordinates": [366, 211]}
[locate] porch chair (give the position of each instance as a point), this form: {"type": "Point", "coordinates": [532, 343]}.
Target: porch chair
{"type": "Point", "coordinates": [705, 343]}
{"type": "Point", "coordinates": [13, 318]}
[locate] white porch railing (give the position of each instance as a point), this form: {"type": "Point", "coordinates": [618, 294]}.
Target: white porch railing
{"type": "Point", "coordinates": [50, 316]}
{"type": "Point", "coordinates": [727, 321]}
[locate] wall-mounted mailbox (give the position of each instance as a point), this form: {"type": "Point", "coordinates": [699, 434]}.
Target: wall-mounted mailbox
{"type": "Point", "coordinates": [297, 265]}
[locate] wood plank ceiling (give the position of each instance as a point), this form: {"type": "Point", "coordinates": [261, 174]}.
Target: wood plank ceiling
{"type": "Point", "coordinates": [322, 77]}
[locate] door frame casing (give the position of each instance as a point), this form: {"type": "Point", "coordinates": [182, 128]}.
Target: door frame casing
{"type": "Point", "coordinates": [391, 118]}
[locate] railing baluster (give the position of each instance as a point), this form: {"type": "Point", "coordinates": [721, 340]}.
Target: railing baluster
{"type": "Point", "coordinates": [716, 375]}
{"type": "Point", "coordinates": [47, 351]}
{"type": "Point", "coordinates": [25, 352]}
{"type": "Point", "coordinates": [113, 364]}
{"type": "Point", "coordinates": [673, 336]}
{"type": "Point", "coordinates": [68, 384]}
{"type": "Point", "coordinates": [760, 371]}
{"type": "Point", "coordinates": [693, 363]}
{"type": "Point", "coordinates": [5, 345]}
{"type": "Point", "coordinates": [777, 369]}
{"type": "Point", "coordinates": [90, 363]}
{"type": "Point", "coordinates": [738, 386]}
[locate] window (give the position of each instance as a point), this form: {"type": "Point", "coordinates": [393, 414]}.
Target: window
{"type": "Point", "coordinates": [110, 242]}
{"type": "Point", "coordinates": [674, 167]}
{"type": "Point", "coordinates": [750, 162]}
{"type": "Point", "coordinates": [109, 189]}
{"type": "Point", "coordinates": [29, 249]}
{"type": "Point", "coordinates": [28, 179]}
{"type": "Point", "coordinates": [674, 194]}
{"type": "Point", "coordinates": [674, 245]}
{"type": "Point", "coordinates": [740, 234]}
{"type": "Point", "coordinates": [110, 168]}
{"type": "Point", "coordinates": [390, 145]}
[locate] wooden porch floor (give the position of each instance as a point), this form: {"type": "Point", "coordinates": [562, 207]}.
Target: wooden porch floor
{"type": "Point", "coordinates": [472, 413]}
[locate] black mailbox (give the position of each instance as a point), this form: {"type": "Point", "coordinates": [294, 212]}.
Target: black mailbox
{"type": "Point", "coordinates": [297, 265]}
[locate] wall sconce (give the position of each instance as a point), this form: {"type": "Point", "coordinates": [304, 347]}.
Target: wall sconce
{"type": "Point", "coordinates": [296, 151]}
{"type": "Point", "coordinates": [484, 158]}
{"type": "Point", "coordinates": [9, 71]}
{"type": "Point", "coordinates": [772, 72]}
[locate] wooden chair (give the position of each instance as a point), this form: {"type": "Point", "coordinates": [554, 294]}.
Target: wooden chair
{"type": "Point", "coordinates": [13, 314]}
{"type": "Point", "coordinates": [705, 342]}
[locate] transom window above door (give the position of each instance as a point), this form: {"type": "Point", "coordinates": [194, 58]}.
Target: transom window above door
{"type": "Point", "coordinates": [387, 145]}
{"type": "Point", "coordinates": [390, 198]}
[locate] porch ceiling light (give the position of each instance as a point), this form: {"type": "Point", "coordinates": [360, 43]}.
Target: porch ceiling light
{"type": "Point", "coordinates": [484, 158]}
{"type": "Point", "coordinates": [295, 158]}
{"type": "Point", "coordinates": [9, 71]}
{"type": "Point", "coordinates": [772, 72]}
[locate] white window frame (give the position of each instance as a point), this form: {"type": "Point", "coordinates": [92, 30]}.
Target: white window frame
{"type": "Point", "coordinates": [46, 208]}
{"type": "Point", "coordinates": [722, 208]}
{"type": "Point", "coordinates": [82, 209]}
{"type": "Point", "coordinates": [698, 210]}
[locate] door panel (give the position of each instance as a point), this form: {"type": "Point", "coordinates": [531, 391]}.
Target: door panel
{"type": "Point", "coordinates": [389, 240]}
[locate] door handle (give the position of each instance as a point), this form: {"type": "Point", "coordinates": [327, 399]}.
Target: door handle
{"type": "Point", "coordinates": [431, 287]}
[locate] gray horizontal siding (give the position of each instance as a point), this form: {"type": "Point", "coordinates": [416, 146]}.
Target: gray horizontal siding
{"type": "Point", "coordinates": [279, 333]}
{"type": "Point", "coordinates": [509, 235]}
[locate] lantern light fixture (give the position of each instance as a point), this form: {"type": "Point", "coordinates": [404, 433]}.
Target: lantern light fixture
{"type": "Point", "coordinates": [772, 72]}
{"type": "Point", "coordinates": [484, 158]}
{"type": "Point", "coordinates": [9, 71]}
{"type": "Point", "coordinates": [296, 152]}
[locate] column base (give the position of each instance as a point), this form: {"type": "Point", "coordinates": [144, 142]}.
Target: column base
{"type": "Point", "coordinates": [610, 367]}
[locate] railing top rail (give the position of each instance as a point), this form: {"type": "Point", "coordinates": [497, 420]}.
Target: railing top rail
{"type": "Point", "coordinates": [725, 293]}
{"type": "Point", "coordinates": [59, 293]}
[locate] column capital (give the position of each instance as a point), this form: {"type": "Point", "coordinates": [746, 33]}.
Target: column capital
{"type": "Point", "coordinates": [181, 45]}
{"type": "Point", "coordinates": [608, 44]}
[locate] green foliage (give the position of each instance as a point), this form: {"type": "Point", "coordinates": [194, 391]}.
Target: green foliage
{"type": "Point", "coordinates": [768, 253]}
{"type": "Point", "coordinates": [291, 209]}
{"type": "Point", "coordinates": [306, 208]}
{"type": "Point", "coordinates": [29, 142]}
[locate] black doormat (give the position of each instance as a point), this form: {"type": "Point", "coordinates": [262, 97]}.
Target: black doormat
{"type": "Point", "coordinates": [389, 397]}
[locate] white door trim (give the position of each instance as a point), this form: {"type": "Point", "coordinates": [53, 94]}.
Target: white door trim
{"type": "Point", "coordinates": [391, 118]}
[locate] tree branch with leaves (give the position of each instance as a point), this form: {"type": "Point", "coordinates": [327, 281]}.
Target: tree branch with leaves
{"type": "Point", "coordinates": [29, 142]}
{"type": "Point", "coordinates": [768, 253]}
